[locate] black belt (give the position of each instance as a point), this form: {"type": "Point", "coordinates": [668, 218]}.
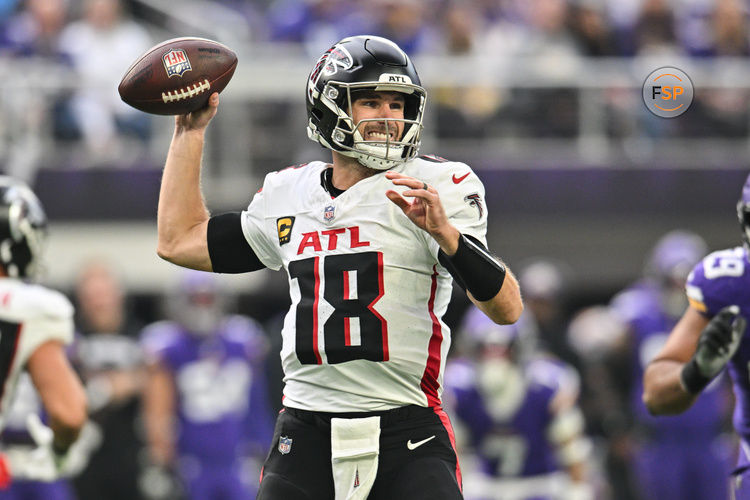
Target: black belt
{"type": "Point", "coordinates": [386, 416]}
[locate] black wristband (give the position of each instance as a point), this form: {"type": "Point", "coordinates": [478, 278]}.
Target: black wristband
{"type": "Point", "coordinates": [692, 380]}
{"type": "Point", "coordinates": [474, 268]}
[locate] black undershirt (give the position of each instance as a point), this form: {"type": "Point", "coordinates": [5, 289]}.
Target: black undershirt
{"type": "Point", "coordinates": [326, 180]}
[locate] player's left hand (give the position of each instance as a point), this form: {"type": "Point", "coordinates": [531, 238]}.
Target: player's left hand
{"type": "Point", "coordinates": [426, 210]}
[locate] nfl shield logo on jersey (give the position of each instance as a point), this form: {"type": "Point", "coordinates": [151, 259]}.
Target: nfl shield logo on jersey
{"type": "Point", "coordinates": [176, 62]}
{"type": "Point", "coordinates": [328, 213]}
{"type": "Point", "coordinates": [285, 445]}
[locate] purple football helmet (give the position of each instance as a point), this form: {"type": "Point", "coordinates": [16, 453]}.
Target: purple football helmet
{"type": "Point", "coordinates": [674, 255]}
{"type": "Point", "coordinates": [197, 303]}
{"type": "Point", "coordinates": [743, 212]}
{"type": "Point", "coordinates": [478, 332]}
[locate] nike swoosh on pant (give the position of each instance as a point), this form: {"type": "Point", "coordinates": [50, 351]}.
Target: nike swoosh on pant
{"type": "Point", "coordinates": [413, 446]}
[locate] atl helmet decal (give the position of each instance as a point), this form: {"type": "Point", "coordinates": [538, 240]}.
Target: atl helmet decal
{"type": "Point", "coordinates": [329, 63]}
{"type": "Point", "coordinates": [475, 201]}
{"type": "Point", "coordinates": [176, 62]}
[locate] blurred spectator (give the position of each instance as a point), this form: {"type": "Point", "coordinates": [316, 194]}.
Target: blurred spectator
{"type": "Point", "coordinates": [316, 24]}
{"type": "Point", "coordinates": [655, 29]}
{"type": "Point", "coordinates": [474, 110]}
{"type": "Point", "coordinates": [31, 114]}
{"type": "Point", "coordinates": [729, 24]}
{"type": "Point", "coordinates": [519, 408]}
{"type": "Point", "coordinates": [591, 29]}
{"type": "Point", "coordinates": [406, 23]}
{"type": "Point", "coordinates": [34, 31]}
{"type": "Point", "coordinates": [459, 25]}
{"type": "Point", "coordinates": [108, 358]}
{"type": "Point", "coordinates": [206, 404]}
{"type": "Point", "coordinates": [666, 465]}
{"type": "Point", "coordinates": [102, 45]}
{"type": "Point", "coordinates": [721, 112]}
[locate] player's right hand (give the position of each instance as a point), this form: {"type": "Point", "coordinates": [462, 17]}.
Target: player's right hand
{"type": "Point", "coordinates": [198, 119]}
{"type": "Point", "coordinates": [42, 463]}
{"type": "Point", "coordinates": [719, 341]}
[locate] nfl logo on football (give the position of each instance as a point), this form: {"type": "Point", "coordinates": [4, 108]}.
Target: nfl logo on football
{"type": "Point", "coordinates": [285, 445]}
{"type": "Point", "coordinates": [176, 62]}
{"type": "Point", "coordinates": [328, 213]}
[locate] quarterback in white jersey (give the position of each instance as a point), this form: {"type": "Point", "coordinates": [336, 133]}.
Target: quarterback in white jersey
{"type": "Point", "coordinates": [35, 325]}
{"type": "Point", "coordinates": [370, 243]}
{"type": "Point", "coordinates": [366, 284]}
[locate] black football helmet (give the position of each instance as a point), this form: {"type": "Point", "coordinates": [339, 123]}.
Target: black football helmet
{"type": "Point", "coordinates": [743, 213]}
{"type": "Point", "coordinates": [23, 228]}
{"type": "Point", "coordinates": [358, 63]}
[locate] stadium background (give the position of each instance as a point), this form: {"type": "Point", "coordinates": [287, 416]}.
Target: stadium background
{"type": "Point", "coordinates": [541, 97]}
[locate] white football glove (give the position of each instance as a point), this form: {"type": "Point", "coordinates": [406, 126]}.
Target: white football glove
{"type": "Point", "coordinates": [42, 463]}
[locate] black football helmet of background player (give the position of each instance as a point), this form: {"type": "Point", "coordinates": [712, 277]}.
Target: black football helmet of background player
{"type": "Point", "coordinates": [23, 227]}
{"type": "Point", "coordinates": [358, 63]}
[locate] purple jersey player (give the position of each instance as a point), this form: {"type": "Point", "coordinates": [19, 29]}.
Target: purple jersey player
{"type": "Point", "coordinates": [519, 409]}
{"type": "Point", "coordinates": [207, 378]}
{"type": "Point", "coordinates": [707, 338]}
{"type": "Point", "coordinates": [667, 466]}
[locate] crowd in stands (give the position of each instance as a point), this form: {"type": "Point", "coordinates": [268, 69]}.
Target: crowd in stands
{"type": "Point", "coordinates": [97, 39]}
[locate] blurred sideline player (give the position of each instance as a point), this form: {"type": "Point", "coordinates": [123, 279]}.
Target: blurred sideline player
{"type": "Point", "coordinates": [544, 282]}
{"type": "Point", "coordinates": [206, 403]}
{"type": "Point", "coordinates": [518, 407]}
{"type": "Point", "coordinates": [666, 465]}
{"type": "Point", "coordinates": [710, 336]}
{"type": "Point", "coordinates": [35, 324]}
{"type": "Point", "coordinates": [370, 243]}
{"type": "Point", "coordinates": [108, 358]}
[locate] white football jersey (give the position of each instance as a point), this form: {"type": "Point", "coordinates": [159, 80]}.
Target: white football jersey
{"type": "Point", "coordinates": [365, 330]}
{"type": "Point", "coordinates": [30, 315]}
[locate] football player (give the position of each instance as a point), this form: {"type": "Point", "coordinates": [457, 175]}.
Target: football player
{"type": "Point", "coordinates": [206, 404]}
{"type": "Point", "coordinates": [520, 409]}
{"type": "Point", "coordinates": [108, 358]}
{"type": "Point", "coordinates": [35, 325]}
{"type": "Point", "coordinates": [666, 465]}
{"type": "Point", "coordinates": [708, 338]}
{"type": "Point", "coordinates": [370, 242]}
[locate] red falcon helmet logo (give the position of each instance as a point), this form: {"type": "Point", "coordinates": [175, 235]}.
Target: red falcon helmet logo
{"type": "Point", "coordinates": [329, 63]}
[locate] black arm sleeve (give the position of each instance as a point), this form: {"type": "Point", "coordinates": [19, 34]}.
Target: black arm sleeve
{"type": "Point", "coordinates": [227, 247]}
{"type": "Point", "coordinates": [474, 268]}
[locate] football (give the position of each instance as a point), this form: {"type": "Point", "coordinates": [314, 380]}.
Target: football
{"type": "Point", "coordinates": [177, 76]}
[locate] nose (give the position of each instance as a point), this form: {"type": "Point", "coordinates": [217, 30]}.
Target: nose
{"type": "Point", "coordinates": [386, 111]}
